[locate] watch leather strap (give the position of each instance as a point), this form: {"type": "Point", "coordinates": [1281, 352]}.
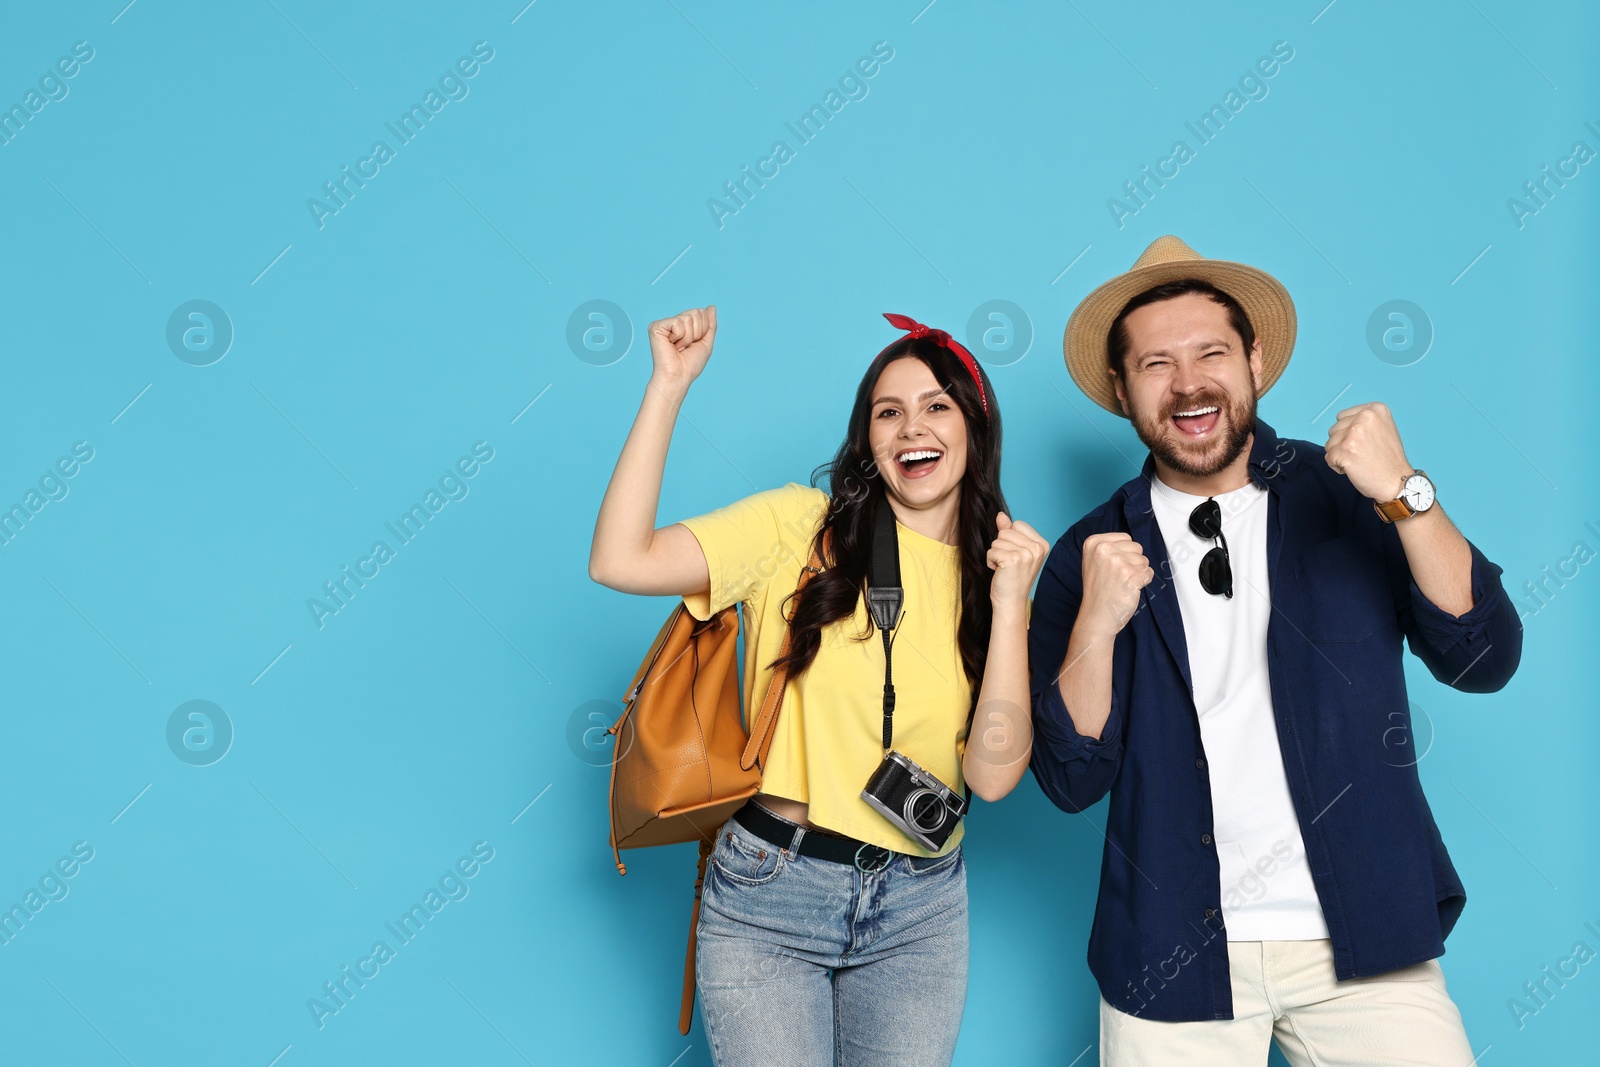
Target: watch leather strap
{"type": "Point", "coordinates": [1393, 510]}
{"type": "Point", "coordinates": [1398, 508]}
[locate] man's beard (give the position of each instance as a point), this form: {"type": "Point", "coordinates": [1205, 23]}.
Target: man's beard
{"type": "Point", "coordinates": [1160, 435]}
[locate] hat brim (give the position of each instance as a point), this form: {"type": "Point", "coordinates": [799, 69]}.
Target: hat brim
{"type": "Point", "coordinates": [1262, 296]}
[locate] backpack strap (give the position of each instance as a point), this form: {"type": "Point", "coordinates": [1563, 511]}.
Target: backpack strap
{"type": "Point", "coordinates": [686, 1011]}
{"type": "Point", "coordinates": [766, 721]}
{"type": "Point", "coordinates": [755, 753]}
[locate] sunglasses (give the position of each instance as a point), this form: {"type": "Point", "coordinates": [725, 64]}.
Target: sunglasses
{"type": "Point", "coordinates": [1216, 574]}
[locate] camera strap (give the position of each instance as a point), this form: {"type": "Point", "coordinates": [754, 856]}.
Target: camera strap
{"type": "Point", "coordinates": [885, 597]}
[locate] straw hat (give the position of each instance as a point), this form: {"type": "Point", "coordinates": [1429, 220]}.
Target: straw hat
{"type": "Point", "coordinates": [1168, 259]}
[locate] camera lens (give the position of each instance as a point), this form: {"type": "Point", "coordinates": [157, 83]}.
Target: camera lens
{"type": "Point", "coordinates": [924, 810]}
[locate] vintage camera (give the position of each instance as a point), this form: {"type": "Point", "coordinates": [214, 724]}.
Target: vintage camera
{"type": "Point", "coordinates": [915, 801]}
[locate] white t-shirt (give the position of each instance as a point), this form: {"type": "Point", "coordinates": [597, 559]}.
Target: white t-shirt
{"type": "Point", "coordinates": [1267, 892]}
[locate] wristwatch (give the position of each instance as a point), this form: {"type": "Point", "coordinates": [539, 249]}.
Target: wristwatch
{"type": "Point", "coordinates": [1416, 494]}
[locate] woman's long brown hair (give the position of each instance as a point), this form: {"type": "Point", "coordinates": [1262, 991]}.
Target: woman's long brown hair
{"type": "Point", "coordinates": [856, 491]}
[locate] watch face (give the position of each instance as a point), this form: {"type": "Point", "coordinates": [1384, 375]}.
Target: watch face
{"type": "Point", "coordinates": [1418, 492]}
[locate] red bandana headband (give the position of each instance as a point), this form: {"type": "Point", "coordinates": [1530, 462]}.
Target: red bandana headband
{"type": "Point", "coordinates": [916, 329]}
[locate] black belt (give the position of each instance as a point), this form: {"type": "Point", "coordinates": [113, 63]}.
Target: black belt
{"type": "Point", "coordinates": [862, 855]}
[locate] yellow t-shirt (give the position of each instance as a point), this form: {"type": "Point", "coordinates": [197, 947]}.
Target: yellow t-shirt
{"type": "Point", "coordinates": [829, 738]}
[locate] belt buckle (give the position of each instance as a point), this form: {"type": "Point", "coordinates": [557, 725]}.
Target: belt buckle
{"type": "Point", "coordinates": [872, 858]}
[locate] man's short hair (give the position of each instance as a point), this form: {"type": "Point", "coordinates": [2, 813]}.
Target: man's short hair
{"type": "Point", "coordinates": [1117, 340]}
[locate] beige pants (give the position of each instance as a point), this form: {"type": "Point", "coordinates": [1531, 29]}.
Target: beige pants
{"type": "Point", "coordinates": [1286, 990]}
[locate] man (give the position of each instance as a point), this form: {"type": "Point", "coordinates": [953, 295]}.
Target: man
{"type": "Point", "coordinates": [1220, 646]}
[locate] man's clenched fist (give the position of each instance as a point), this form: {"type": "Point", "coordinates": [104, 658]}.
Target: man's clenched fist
{"type": "Point", "coordinates": [1114, 570]}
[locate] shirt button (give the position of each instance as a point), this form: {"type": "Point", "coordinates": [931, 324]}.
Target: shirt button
{"type": "Point", "coordinates": [1200, 763]}
{"type": "Point", "coordinates": [1205, 839]}
{"type": "Point", "coordinates": [1211, 913]}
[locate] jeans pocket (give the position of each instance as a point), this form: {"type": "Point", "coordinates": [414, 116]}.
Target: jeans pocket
{"type": "Point", "coordinates": [921, 866]}
{"type": "Point", "coordinates": [743, 858]}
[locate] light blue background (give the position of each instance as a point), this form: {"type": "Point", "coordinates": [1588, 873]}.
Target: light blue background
{"type": "Point", "coordinates": [427, 314]}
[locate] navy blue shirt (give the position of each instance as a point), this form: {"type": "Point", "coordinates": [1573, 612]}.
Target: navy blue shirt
{"type": "Point", "coordinates": [1343, 605]}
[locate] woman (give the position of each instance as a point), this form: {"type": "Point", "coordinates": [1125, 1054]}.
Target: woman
{"type": "Point", "coordinates": [827, 932]}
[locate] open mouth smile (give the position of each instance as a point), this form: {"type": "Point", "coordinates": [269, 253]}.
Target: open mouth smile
{"type": "Point", "coordinates": [918, 462]}
{"type": "Point", "coordinates": [1196, 421]}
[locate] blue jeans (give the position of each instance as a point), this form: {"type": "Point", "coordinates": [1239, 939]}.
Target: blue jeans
{"type": "Point", "coordinates": [804, 962]}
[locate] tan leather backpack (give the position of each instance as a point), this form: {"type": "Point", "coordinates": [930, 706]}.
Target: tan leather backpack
{"type": "Point", "coordinates": [682, 761]}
